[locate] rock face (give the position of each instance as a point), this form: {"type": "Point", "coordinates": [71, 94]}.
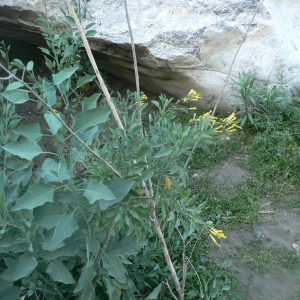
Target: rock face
{"type": "Point", "coordinates": [181, 44]}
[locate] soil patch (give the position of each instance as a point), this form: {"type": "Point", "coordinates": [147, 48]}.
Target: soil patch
{"type": "Point", "coordinates": [265, 256]}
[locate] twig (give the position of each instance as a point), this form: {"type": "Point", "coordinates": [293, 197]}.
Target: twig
{"type": "Point", "coordinates": [238, 50]}
{"type": "Point", "coordinates": [61, 120]}
{"type": "Point", "coordinates": [168, 285]}
{"type": "Point", "coordinates": [183, 261]}
{"type": "Point", "coordinates": [102, 251]}
{"type": "Point", "coordinates": [219, 98]}
{"type": "Point", "coordinates": [165, 249]}
{"type": "Point", "coordinates": [136, 73]}
{"type": "Point", "coordinates": [93, 62]}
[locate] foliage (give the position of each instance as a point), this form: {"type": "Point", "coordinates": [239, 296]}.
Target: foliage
{"type": "Point", "coordinates": [72, 228]}
{"type": "Point", "coordinates": [263, 108]}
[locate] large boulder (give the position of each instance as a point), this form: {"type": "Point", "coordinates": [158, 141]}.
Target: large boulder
{"type": "Point", "coordinates": [181, 44]}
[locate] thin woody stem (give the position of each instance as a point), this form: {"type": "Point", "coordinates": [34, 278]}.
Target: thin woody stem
{"type": "Point", "coordinates": [61, 120]}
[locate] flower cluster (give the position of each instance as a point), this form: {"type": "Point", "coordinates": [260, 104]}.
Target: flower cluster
{"type": "Point", "coordinates": [227, 124]}
{"type": "Point", "coordinates": [192, 96]}
{"type": "Point", "coordinates": [207, 115]}
{"type": "Point", "coordinates": [143, 98]}
{"type": "Point", "coordinates": [216, 234]}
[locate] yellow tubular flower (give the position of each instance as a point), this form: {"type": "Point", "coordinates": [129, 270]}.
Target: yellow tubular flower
{"type": "Point", "coordinates": [193, 108]}
{"type": "Point", "coordinates": [216, 234]}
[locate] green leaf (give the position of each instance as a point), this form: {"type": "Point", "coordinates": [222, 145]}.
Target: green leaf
{"type": "Point", "coordinates": [90, 33]}
{"type": "Point", "coordinates": [19, 64]}
{"type": "Point", "coordinates": [36, 195]}
{"type": "Point", "coordinates": [29, 66]}
{"type": "Point", "coordinates": [90, 118]}
{"type": "Point", "coordinates": [63, 75]}
{"type": "Point", "coordinates": [154, 294]}
{"type": "Point", "coordinates": [55, 172]}
{"type": "Point", "coordinates": [47, 215]}
{"type": "Point", "coordinates": [64, 229]}
{"type": "Point", "coordinates": [49, 93]}
{"type": "Point", "coordinates": [87, 275]}
{"type": "Point", "coordinates": [118, 251]}
{"type": "Point", "coordinates": [84, 80]}
{"type": "Point", "coordinates": [53, 123]}
{"type": "Point", "coordinates": [59, 272]}
{"type": "Point", "coordinates": [70, 249]}
{"type": "Point", "coordinates": [119, 187]}
{"type": "Point", "coordinates": [69, 51]}
{"type": "Point", "coordinates": [14, 86]}
{"type": "Point", "coordinates": [146, 175]}
{"type": "Point", "coordinates": [24, 149]}
{"type": "Point", "coordinates": [90, 102]}
{"type": "Point", "coordinates": [11, 293]}
{"type": "Point", "coordinates": [16, 96]}
{"type": "Point", "coordinates": [98, 191]}
{"type": "Point", "coordinates": [163, 152]}
{"type": "Point", "coordinates": [44, 50]}
{"type": "Point", "coordinates": [31, 131]}
{"type": "Point", "coordinates": [27, 264]}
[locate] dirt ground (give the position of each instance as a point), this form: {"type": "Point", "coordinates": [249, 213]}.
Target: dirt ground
{"type": "Point", "coordinates": [279, 229]}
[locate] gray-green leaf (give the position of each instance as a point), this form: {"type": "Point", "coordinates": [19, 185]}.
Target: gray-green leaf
{"type": "Point", "coordinates": [63, 75]}
{"type": "Point", "coordinates": [24, 149]}
{"type": "Point", "coordinates": [59, 272]}
{"type": "Point", "coordinates": [36, 195]}
{"type": "Point", "coordinates": [90, 118]}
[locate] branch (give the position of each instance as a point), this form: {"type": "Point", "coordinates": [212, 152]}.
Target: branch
{"type": "Point", "coordinates": [93, 62]}
{"type": "Point", "coordinates": [238, 50]}
{"type": "Point", "coordinates": [226, 81]}
{"type": "Point", "coordinates": [165, 250]}
{"type": "Point", "coordinates": [61, 120]}
{"type": "Point", "coordinates": [136, 73]}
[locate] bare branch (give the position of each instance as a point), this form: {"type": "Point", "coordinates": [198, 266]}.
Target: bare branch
{"type": "Point", "coordinates": [93, 62]}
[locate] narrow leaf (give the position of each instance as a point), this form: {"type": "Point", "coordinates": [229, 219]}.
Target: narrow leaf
{"type": "Point", "coordinates": [154, 294]}
{"type": "Point", "coordinates": [49, 93]}
{"type": "Point", "coordinates": [163, 152]}
{"type": "Point", "coordinates": [87, 275]}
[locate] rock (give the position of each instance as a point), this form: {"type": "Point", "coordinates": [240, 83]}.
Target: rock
{"type": "Point", "coordinates": [181, 44]}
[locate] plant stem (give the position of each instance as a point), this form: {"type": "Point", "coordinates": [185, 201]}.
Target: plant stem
{"type": "Point", "coordinates": [61, 121]}
{"type": "Point", "coordinates": [165, 249]}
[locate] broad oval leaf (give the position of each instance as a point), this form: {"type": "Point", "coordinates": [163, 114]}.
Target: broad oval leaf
{"type": "Point", "coordinates": [87, 275]}
{"type": "Point", "coordinates": [96, 191]}
{"type": "Point", "coordinates": [84, 80]}
{"type": "Point", "coordinates": [31, 131]}
{"type": "Point", "coordinates": [24, 149]}
{"type": "Point", "coordinates": [27, 264]}
{"type": "Point", "coordinates": [16, 96]}
{"type": "Point", "coordinates": [59, 272]}
{"type": "Point", "coordinates": [49, 93]}
{"type": "Point", "coordinates": [64, 229]}
{"type": "Point", "coordinates": [47, 215]}
{"type": "Point", "coordinates": [154, 294]}
{"type": "Point", "coordinates": [90, 118]}
{"type": "Point", "coordinates": [36, 195]}
{"type": "Point", "coordinates": [14, 86]}
{"type": "Point", "coordinates": [53, 123]}
{"type": "Point", "coordinates": [63, 75]}
{"type": "Point", "coordinates": [90, 102]}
